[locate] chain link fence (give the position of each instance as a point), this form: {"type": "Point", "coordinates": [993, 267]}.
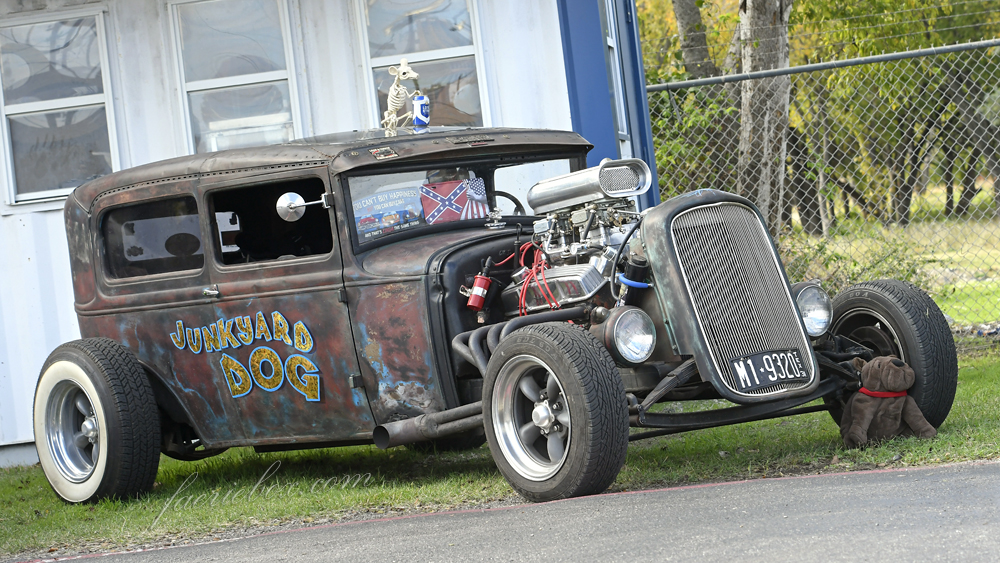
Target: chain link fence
{"type": "Point", "coordinates": [890, 165]}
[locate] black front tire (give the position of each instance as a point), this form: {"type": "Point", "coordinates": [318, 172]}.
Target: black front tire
{"type": "Point", "coordinates": [97, 428]}
{"type": "Point", "coordinates": [555, 412]}
{"type": "Point", "coordinates": [897, 318]}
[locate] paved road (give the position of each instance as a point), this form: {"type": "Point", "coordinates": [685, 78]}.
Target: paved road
{"type": "Point", "coordinates": [945, 513]}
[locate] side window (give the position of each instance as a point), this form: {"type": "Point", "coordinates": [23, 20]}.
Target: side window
{"type": "Point", "coordinates": [248, 228]}
{"type": "Point", "coordinates": [153, 238]}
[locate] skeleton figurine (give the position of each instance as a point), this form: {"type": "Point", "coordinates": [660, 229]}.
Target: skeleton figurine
{"type": "Point", "coordinates": [398, 95]}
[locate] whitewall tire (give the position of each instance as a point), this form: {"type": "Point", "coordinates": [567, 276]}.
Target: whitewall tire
{"type": "Point", "coordinates": [96, 422]}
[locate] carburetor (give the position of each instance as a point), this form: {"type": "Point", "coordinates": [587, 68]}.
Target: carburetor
{"type": "Point", "coordinates": [586, 218]}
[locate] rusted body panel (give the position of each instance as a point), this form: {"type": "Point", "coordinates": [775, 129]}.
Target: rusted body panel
{"type": "Point", "coordinates": [81, 254]}
{"type": "Point", "coordinates": [393, 339]}
{"type": "Point", "coordinates": [411, 258]}
{"type": "Point", "coordinates": [193, 378]}
{"type": "Point", "coordinates": [392, 325]}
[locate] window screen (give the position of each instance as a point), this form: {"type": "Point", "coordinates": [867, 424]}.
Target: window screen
{"type": "Point", "coordinates": [235, 73]}
{"type": "Point", "coordinates": [55, 106]}
{"type": "Point", "coordinates": [153, 238]}
{"type": "Point", "coordinates": [437, 39]}
{"type": "Point", "coordinates": [248, 228]}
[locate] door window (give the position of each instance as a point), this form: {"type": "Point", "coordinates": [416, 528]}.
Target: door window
{"type": "Point", "coordinates": [248, 228]}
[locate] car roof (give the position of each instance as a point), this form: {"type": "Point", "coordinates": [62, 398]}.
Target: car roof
{"type": "Point", "coordinates": [341, 151]}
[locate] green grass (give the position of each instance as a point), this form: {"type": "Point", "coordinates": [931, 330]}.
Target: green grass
{"type": "Point", "coordinates": [956, 259]}
{"type": "Point", "coordinates": [810, 443]}
{"type": "Point", "coordinates": [33, 520]}
{"type": "Point", "coordinates": [197, 498]}
{"type": "Point", "coordinates": [971, 303]}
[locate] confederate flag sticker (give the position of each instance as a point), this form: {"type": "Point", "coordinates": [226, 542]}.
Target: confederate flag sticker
{"type": "Point", "coordinates": [443, 202]}
{"type": "Point", "coordinates": [383, 153]}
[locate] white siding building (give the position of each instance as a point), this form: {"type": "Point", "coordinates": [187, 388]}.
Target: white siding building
{"type": "Point", "coordinates": [94, 86]}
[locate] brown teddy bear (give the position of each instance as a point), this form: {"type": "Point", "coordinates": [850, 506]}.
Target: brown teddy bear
{"type": "Point", "coordinates": [881, 408]}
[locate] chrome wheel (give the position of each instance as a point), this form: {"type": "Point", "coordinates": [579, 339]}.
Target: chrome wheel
{"type": "Point", "coordinates": [72, 431]}
{"type": "Point", "coordinates": [555, 412]}
{"type": "Point", "coordinates": [870, 329]}
{"type": "Point", "coordinates": [532, 418]}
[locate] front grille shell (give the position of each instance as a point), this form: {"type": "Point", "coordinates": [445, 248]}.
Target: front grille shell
{"type": "Point", "coordinates": [723, 289]}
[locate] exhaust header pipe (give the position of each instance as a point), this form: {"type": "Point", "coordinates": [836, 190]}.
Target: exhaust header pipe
{"type": "Point", "coordinates": [429, 426]}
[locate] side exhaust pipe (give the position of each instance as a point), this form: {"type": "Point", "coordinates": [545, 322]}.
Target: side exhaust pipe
{"type": "Point", "coordinates": [429, 426]}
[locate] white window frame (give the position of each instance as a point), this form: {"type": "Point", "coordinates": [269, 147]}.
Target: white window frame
{"type": "Point", "coordinates": [106, 98]}
{"type": "Point", "coordinates": [187, 88]}
{"type": "Point", "coordinates": [613, 59]}
{"type": "Point", "coordinates": [476, 49]}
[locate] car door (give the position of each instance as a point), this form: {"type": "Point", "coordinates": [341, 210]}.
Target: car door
{"type": "Point", "coordinates": [282, 336]}
{"type": "Point", "coordinates": [151, 280]}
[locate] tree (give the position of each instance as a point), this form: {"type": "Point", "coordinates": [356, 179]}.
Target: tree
{"type": "Point", "coordinates": [694, 43]}
{"type": "Point", "coordinates": [868, 138]}
{"type": "Point", "coordinates": [764, 106]}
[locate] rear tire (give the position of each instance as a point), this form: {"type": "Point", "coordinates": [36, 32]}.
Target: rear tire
{"type": "Point", "coordinates": [897, 318]}
{"type": "Point", "coordinates": [96, 423]}
{"type": "Point", "coordinates": [555, 412]}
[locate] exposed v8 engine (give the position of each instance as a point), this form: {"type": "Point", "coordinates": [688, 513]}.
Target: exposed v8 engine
{"type": "Point", "coordinates": [587, 216]}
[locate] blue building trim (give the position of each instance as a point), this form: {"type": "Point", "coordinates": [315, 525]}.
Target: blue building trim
{"type": "Point", "coordinates": [587, 77]}
{"type": "Point", "coordinates": [636, 100]}
{"type": "Point", "coordinates": [590, 98]}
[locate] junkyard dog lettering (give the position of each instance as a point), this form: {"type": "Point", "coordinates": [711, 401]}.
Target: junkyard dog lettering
{"type": "Point", "coordinates": [302, 374]}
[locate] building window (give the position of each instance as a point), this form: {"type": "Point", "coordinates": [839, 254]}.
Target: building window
{"type": "Point", "coordinates": [437, 37]}
{"type": "Point", "coordinates": [56, 116]}
{"type": "Point", "coordinates": [612, 60]}
{"type": "Point", "coordinates": [234, 61]}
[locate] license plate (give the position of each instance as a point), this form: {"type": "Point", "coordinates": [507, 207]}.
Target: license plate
{"type": "Point", "coordinates": [768, 368]}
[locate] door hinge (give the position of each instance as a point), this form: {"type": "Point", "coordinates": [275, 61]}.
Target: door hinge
{"type": "Point", "coordinates": [342, 295]}
{"type": "Point", "coordinates": [356, 381]}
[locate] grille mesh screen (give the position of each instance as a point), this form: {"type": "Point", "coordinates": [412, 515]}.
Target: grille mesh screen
{"type": "Point", "coordinates": [737, 289]}
{"type": "Point", "coordinates": [619, 179]}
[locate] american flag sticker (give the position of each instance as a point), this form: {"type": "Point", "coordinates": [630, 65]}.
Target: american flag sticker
{"type": "Point", "coordinates": [475, 202]}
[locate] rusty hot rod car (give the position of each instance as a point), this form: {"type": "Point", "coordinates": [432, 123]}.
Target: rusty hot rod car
{"type": "Point", "coordinates": [359, 289]}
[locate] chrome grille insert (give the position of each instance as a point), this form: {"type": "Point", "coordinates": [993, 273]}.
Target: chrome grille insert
{"type": "Point", "coordinates": [739, 295]}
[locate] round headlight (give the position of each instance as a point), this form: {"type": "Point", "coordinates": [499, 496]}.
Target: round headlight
{"type": "Point", "coordinates": [634, 336]}
{"type": "Point", "coordinates": [816, 309]}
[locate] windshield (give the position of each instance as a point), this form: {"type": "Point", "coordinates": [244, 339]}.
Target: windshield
{"type": "Point", "coordinates": [387, 204]}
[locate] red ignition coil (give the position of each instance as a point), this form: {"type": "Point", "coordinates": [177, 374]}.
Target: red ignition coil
{"type": "Point", "coordinates": [477, 297]}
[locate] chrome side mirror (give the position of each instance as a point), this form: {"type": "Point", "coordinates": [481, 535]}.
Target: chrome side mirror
{"type": "Point", "coordinates": [291, 206]}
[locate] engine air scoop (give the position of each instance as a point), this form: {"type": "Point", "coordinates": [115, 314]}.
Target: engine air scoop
{"type": "Point", "coordinates": [611, 179]}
